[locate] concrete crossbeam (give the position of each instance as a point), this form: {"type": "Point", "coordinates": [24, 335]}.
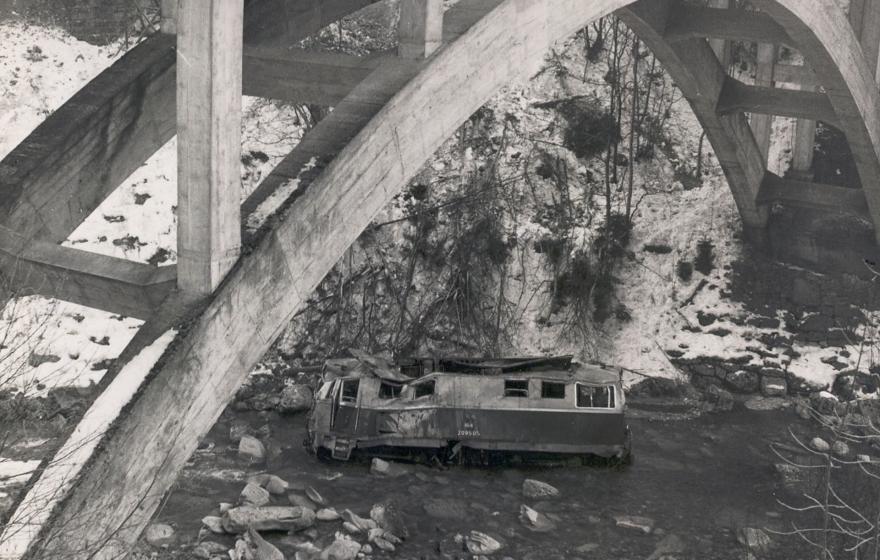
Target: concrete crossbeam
{"type": "Point", "coordinates": [35, 267]}
{"type": "Point", "coordinates": [760, 100]}
{"type": "Point", "coordinates": [689, 22]}
{"type": "Point", "coordinates": [817, 196]}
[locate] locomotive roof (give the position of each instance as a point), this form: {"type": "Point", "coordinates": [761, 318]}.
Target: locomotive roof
{"type": "Point", "coordinates": [556, 367]}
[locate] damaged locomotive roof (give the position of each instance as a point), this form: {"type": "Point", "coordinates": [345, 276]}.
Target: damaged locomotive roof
{"type": "Point", "coordinates": [364, 364]}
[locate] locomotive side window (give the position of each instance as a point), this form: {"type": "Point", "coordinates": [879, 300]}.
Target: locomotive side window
{"type": "Point", "coordinates": [425, 389]}
{"type": "Point", "coordinates": [324, 391]}
{"type": "Point", "coordinates": [350, 391]}
{"type": "Point", "coordinates": [552, 390]}
{"type": "Point", "coordinates": [389, 390]}
{"type": "Point", "coordinates": [595, 397]}
{"type": "Point", "coordinates": [516, 388]}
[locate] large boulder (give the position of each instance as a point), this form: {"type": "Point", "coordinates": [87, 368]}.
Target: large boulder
{"type": "Point", "coordinates": [537, 490]}
{"type": "Point", "coordinates": [295, 398]}
{"type": "Point", "coordinates": [270, 518]}
{"type": "Point", "coordinates": [743, 381]}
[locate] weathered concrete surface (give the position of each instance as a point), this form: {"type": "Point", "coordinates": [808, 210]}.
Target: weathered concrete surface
{"type": "Point", "coordinates": [209, 53]}
{"type": "Point", "coordinates": [420, 31]}
{"type": "Point", "coordinates": [817, 196]}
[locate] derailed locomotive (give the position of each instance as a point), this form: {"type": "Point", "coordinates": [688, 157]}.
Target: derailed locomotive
{"type": "Point", "coordinates": [469, 409]}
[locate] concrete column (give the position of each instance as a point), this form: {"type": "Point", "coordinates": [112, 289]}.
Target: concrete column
{"type": "Point", "coordinates": [804, 142]}
{"type": "Point", "coordinates": [721, 46]}
{"type": "Point", "coordinates": [762, 125]}
{"type": "Point", "coordinates": [420, 30]}
{"type": "Point", "coordinates": [168, 11]}
{"type": "Point", "coordinates": [209, 59]}
{"type": "Point", "coordinates": [864, 16]}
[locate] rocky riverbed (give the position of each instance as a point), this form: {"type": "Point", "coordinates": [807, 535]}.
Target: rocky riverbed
{"type": "Point", "coordinates": [704, 484]}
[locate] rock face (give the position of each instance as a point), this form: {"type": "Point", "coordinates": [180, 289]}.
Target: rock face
{"type": "Point", "coordinates": [295, 398]}
{"type": "Point", "coordinates": [159, 534]}
{"type": "Point", "coordinates": [343, 548]}
{"type": "Point", "coordinates": [537, 490]}
{"type": "Point", "coordinates": [535, 520]}
{"type": "Point", "coordinates": [252, 449]}
{"type": "Point", "coordinates": [271, 518]}
{"type": "Point", "coordinates": [481, 543]}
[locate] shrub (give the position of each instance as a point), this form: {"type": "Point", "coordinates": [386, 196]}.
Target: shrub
{"type": "Point", "coordinates": [705, 261]}
{"type": "Point", "coordinates": [658, 248]}
{"type": "Point", "coordinates": [685, 270]}
{"type": "Point", "coordinates": [590, 129]}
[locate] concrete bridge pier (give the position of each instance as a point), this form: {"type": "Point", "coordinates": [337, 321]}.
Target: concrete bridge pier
{"type": "Point", "coordinates": [209, 90]}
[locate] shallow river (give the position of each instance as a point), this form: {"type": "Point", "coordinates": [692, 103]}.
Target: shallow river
{"type": "Point", "coordinates": [699, 478]}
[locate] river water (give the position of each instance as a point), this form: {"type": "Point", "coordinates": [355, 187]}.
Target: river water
{"type": "Point", "coordinates": [699, 478]}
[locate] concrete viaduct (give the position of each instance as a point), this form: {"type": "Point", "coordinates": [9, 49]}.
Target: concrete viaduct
{"type": "Point", "coordinates": [391, 112]}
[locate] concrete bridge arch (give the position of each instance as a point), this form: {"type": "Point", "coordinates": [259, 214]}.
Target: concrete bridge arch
{"type": "Point", "coordinates": [396, 113]}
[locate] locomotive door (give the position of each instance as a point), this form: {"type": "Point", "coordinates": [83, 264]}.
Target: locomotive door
{"type": "Point", "coordinates": [345, 406]}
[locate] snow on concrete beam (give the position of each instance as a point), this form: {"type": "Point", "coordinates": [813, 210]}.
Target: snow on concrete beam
{"type": "Point", "coordinates": [128, 288]}
{"type": "Point", "coordinates": [738, 97]}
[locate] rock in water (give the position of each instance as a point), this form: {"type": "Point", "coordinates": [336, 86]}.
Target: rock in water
{"type": "Point", "coordinates": [755, 540]}
{"type": "Point", "coordinates": [643, 524]}
{"type": "Point", "coordinates": [327, 514]}
{"type": "Point", "coordinates": [270, 518]}
{"type": "Point", "coordinates": [840, 449]}
{"type": "Point", "coordinates": [386, 468]}
{"type": "Point", "coordinates": [295, 398]}
{"type": "Point", "coordinates": [537, 490]}
{"type": "Point", "coordinates": [315, 496]}
{"type": "Point", "coordinates": [388, 517]}
{"type": "Point", "coordinates": [670, 547]}
{"type": "Point", "coordinates": [362, 524]}
{"type": "Point", "coordinates": [342, 548]}
{"type": "Point", "coordinates": [214, 524]}
{"type": "Point", "coordinates": [535, 520]}
{"type": "Point", "coordinates": [276, 485]}
{"type": "Point", "coordinates": [208, 550]}
{"type": "Point", "coordinates": [820, 445]}
{"type": "Point", "coordinates": [260, 549]}
{"type": "Point", "coordinates": [252, 449]}
{"type": "Point", "coordinates": [253, 495]}
{"type": "Point", "coordinates": [159, 534]}
{"type": "Point", "coordinates": [481, 543]}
